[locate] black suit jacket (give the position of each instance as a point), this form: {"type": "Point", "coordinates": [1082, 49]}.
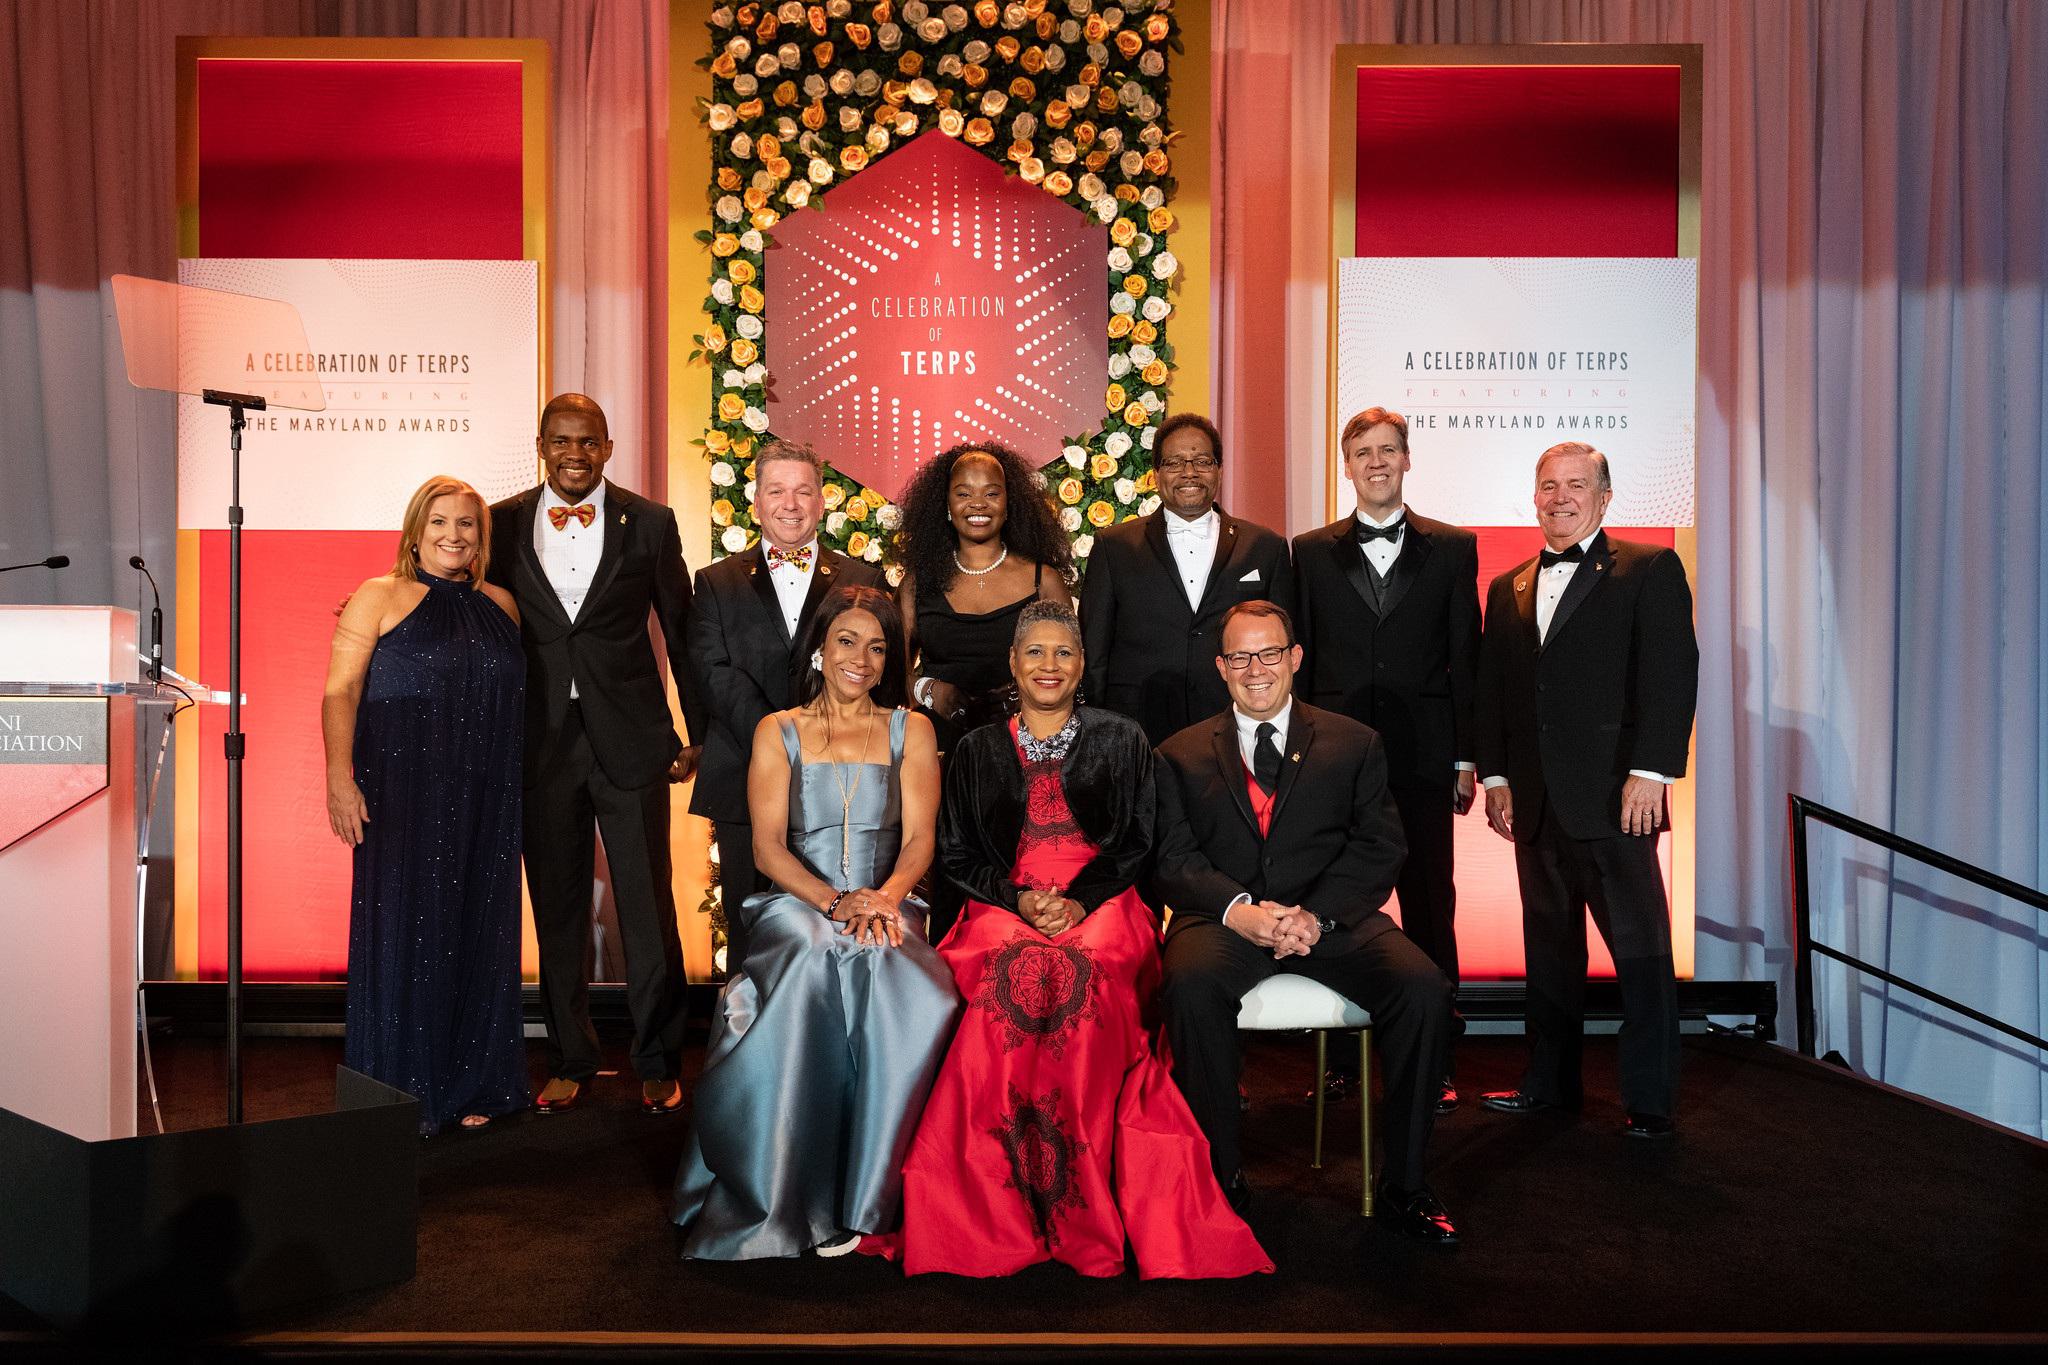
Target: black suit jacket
{"type": "Point", "coordinates": [1612, 688]}
{"type": "Point", "coordinates": [1107, 775]}
{"type": "Point", "coordinates": [1410, 673]}
{"type": "Point", "coordinates": [1335, 845]}
{"type": "Point", "coordinates": [605, 650]}
{"type": "Point", "coordinates": [1151, 655]}
{"type": "Point", "coordinates": [744, 659]}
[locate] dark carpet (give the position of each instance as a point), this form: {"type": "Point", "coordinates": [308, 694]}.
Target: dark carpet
{"type": "Point", "coordinates": [1796, 1200]}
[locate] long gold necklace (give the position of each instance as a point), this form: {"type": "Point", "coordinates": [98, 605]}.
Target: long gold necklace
{"type": "Point", "coordinates": [846, 794]}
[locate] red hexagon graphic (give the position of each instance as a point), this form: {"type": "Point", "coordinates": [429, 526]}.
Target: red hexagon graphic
{"type": "Point", "coordinates": [933, 300]}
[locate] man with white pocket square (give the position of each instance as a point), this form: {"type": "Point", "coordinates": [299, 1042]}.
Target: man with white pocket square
{"type": "Point", "coordinates": [1157, 588]}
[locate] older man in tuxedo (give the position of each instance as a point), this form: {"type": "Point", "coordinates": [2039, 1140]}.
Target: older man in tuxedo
{"type": "Point", "coordinates": [1157, 587]}
{"type": "Point", "coordinates": [1389, 619]}
{"type": "Point", "coordinates": [587, 561]}
{"type": "Point", "coordinates": [1588, 676]}
{"type": "Point", "coordinates": [1278, 845]}
{"type": "Point", "coordinates": [751, 611]}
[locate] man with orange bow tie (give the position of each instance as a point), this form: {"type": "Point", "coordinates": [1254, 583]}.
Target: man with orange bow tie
{"type": "Point", "coordinates": [587, 561]}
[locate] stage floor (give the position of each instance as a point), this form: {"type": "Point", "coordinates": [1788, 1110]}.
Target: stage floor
{"type": "Point", "coordinates": [1797, 1201]}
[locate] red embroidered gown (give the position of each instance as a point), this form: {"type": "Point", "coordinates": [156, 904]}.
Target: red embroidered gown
{"type": "Point", "coordinates": [1054, 1132]}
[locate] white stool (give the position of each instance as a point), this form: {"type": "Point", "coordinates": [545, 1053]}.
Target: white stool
{"type": "Point", "coordinates": [1286, 1001]}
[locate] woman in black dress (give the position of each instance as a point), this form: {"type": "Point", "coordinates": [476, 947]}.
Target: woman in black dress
{"type": "Point", "coordinates": [424, 724]}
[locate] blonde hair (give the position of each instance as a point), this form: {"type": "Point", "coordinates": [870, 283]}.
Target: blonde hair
{"type": "Point", "coordinates": [415, 525]}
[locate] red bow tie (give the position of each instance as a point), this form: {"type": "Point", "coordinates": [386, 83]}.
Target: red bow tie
{"type": "Point", "coordinates": [799, 557]}
{"type": "Point", "coordinates": [582, 511]}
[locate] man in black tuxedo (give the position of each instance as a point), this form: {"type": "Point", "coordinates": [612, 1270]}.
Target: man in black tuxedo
{"type": "Point", "coordinates": [750, 612]}
{"type": "Point", "coordinates": [1389, 624]}
{"type": "Point", "coordinates": [1278, 844]}
{"type": "Point", "coordinates": [1587, 679]}
{"type": "Point", "coordinates": [1157, 588]}
{"type": "Point", "coordinates": [587, 561]}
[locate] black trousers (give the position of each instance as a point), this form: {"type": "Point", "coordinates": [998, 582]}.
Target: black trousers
{"type": "Point", "coordinates": [1208, 970]}
{"type": "Point", "coordinates": [738, 878]}
{"type": "Point", "coordinates": [1427, 889]}
{"type": "Point", "coordinates": [571, 802]}
{"type": "Point", "coordinates": [1618, 880]}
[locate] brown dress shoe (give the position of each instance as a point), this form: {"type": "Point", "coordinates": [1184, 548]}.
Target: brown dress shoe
{"type": "Point", "coordinates": [661, 1097]}
{"type": "Point", "coordinates": [558, 1094]}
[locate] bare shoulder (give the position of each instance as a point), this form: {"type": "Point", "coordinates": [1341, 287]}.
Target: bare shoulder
{"type": "Point", "coordinates": [917, 729]}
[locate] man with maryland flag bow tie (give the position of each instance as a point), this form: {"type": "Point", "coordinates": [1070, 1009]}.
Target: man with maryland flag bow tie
{"type": "Point", "coordinates": [587, 561]}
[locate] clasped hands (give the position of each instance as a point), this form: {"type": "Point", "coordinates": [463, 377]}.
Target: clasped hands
{"type": "Point", "coordinates": [871, 917]}
{"type": "Point", "coordinates": [1049, 912]}
{"type": "Point", "coordinates": [1285, 930]}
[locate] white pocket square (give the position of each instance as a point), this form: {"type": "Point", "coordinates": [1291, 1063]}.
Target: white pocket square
{"type": "Point", "coordinates": [1251, 577]}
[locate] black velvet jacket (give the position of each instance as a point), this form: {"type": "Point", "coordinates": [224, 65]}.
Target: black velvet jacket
{"type": "Point", "coordinates": [1109, 788]}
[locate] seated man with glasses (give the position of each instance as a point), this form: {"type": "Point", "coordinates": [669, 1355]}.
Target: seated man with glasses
{"type": "Point", "coordinates": [1278, 846]}
{"type": "Point", "coordinates": [1157, 588]}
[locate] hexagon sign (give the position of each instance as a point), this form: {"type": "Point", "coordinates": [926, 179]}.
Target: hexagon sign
{"type": "Point", "coordinates": [932, 300]}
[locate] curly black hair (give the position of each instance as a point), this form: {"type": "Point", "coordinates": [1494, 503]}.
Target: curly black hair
{"type": "Point", "coordinates": [925, 541]}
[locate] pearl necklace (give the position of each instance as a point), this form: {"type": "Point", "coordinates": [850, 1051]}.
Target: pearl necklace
{"type": "Point", "coordinates": [976, 573]}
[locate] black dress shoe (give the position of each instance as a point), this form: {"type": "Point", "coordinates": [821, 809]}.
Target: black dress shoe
{"type": "Point", "coordinates": [1447, 1097]}
{"type": "Point", "coordinates": [1420, 1215]}
{"type": "Point", "coordinates": [1513, 1102]}
{"type": "Point", "coordinates": [1238, 1192]}
{"type": "Point", "coordinates": [1339, 1085]}
{"type": "Point", "coordinates": [1649, 1127]}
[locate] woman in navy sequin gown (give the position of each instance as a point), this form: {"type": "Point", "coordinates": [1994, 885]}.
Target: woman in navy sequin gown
{"type": "Point", "coordinates": [423, 721]}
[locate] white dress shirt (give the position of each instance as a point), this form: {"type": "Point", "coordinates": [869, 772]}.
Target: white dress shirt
{"type": "Point", "coordinates": [1381, 554]}
{"type": "Point", "coordinates": [569, 556]}
{"type": "Point", "coordinates": [1550, 586]}
{"type": "Point", "coordinates": [792, 584]}
{"type": "Point", "coordinates": [1194, 550]}
{"type": "Point", "coordinates": [1248, 732]}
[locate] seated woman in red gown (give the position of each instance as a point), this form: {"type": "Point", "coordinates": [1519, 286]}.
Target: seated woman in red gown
{"type": "Point", "coordinates": [1054, 1132]}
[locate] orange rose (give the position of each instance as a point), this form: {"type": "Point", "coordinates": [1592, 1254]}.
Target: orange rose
{"type": "Point", "coordinates": [721, 513]}
{"type": "Point", "coordinates": [1019, 150]}
{"type": "Point", "coordinates": [764, 219]}
{"type": "Point", "coordinates": [1057, 113]}
{"type": "Point", "coordinates": [1154, 374]}
{"type": "Point", "coordinates": [1161, 219]}
{"type": "Point", "coordinates": [852, 158]}
{"type": "Point", "coordinates": [744, 352]}
{"type": "Point", "coordinates": [1084, 135]}
{"type": "Point", "coordinates": [1100, 513]}
{"type": "Point", "coordinates": [1007, 48]}
{"type": "Point", "coordinates": [748, 111]}
{"type": "Point", "coordinates": [1102, 466]}
{"type": "Point", "coordinates": [1144, 333]}
{"type": "Point", "coordinates": [731, 407]}
{"type": "Point", "coordinates": [857, 544]}
{"type": "Point", "coordinates": [813, 116]}
{"type": "Point", "coordinates": [1032, 59]}
{"type": "Point", "coordinates": [1128, 193]}
{"type": "Point", "coordinates": [815, 16]}
{"type": "Point", "coordinates": [716, 442]}
{"type": "Point", "coordinates": [822, 54]}
{"type": "Point", "coordinates": [1070, 491]}
{"type": "Point", "coordinates": [767, 147]}
{"type": "Point", "coordinates": [1060, 183]}
{"type": "Point", "coordinates": [785, 94]}
{"type": "Point", "coordinates": [724, 67]}
{"type": "Point", "coordinates": [1136, 415]}
{"type": "Point", "coordinates": [1147, 481]}
{"type": "Point", "coordinates": [743, 446]}
{"type": "Point", "coordinates": [1157, 28]}
{"type": "Point", "coordinates": [1095, 30]}
{"type": "Point", "coordinates": [910, 63]}
{"type": "Point", "coordinates": [728, 178]}
{"type": "Point", "coordinates": [980, 132]}
{"type": "Point", "coordinates": [751, 300]}
{"type": "Point", "coordinates": [1130, 43]}
{"type": "Point", "coordinates": [779, 168]}
{"type": "Point", "coordinates": [988, 13]}
{"type": "Point", "coordinates": [713, 338]}
{"type": "Point", "coordinates": [724, 244]}
{"type": "Point", "coordinates": [1116, 397]}
{"type": "Point", "coordinates": [1105, 100]}
{"type": "Point", "coordinates": [1119, 324]}
{"type": "Point", "coordinates": [860, 35]}
{"type": "Point", "coordinates": [973, 76]}
{"type": "Point", "coordinates": [1090, 74]}
{"type": "Point", "coordinates": [1021, 89]}
{"type": "Point", "coordinates": [768, 28]}
{"type": "Point", "coordinates": [1096, 159]}
{"type": "Point", "coordinates": [1047, 26]}
{"type": "Point", "coordinates": [742, 272]}
{"type": "Point", "coordinates": [1156, 161]}
{"type": "Point", "coordinates": [754, 198]}
{"type": "Point", "coordinates": [1123, 232]}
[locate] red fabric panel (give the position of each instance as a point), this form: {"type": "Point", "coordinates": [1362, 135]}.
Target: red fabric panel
{"type": "Point", "coordinates": [403, 160]}
{"type": "Point", "coordinates": [295, 873]}
{"type": "Point", "coordinates": [1517, 161]}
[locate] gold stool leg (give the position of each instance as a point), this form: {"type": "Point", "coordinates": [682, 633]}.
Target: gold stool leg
{"type": "Point", "coordinates": [1322, 1060]}
{"type": "Point", "coordinates": [1365, 1121]}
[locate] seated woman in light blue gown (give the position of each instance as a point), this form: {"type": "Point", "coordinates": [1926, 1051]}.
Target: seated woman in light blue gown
{"type": "Point", "coordinates": [830, 1031]}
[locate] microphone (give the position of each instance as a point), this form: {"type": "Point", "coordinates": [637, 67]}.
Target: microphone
{"type": "Point", "coordinates": [53, 562]}
{"type": "Point", "coordinates": [156, 621]}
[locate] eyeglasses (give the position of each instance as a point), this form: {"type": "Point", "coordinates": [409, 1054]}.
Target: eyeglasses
{"type": "Point", "coordinates": [1200, 464]}
{"type": "Point", "coordinates": [1242, 659]}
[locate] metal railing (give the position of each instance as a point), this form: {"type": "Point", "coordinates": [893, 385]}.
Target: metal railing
{"type": "Point", "coordinates": [1799, 810]}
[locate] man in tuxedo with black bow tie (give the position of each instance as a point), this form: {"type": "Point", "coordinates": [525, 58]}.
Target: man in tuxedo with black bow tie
{"type": "Point", "coordinates": [1588, 676]}
{"type": "Point", "coordinates": [751, 612]}
{"type": "Point", "coordinates": [1157, 588]}
{"type": "Point", "coordinates": [1389, 619]}
{"type": "Point", "coordinates": [1277, 846]}
{"type": "Point", "coordinates": [587, 561]}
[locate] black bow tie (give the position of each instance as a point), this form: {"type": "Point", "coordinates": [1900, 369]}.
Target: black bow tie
{"type": "Point", "coordinates": [1571, 554]}
{"type": "Point", "coordinates": [1367, 533]}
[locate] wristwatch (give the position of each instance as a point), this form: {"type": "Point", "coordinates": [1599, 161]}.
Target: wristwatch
{"type": "Point", "coordinates": [921, 692]}
{"type": "Point", "coordinates": [1325, 924]}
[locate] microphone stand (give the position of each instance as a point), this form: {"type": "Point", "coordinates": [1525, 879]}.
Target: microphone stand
{"type": "Point", "coordinates": [234, 741]}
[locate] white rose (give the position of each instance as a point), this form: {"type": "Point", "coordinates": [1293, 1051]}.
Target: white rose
{"type": "Point", "coordinates": [1023, 126]}
{"type": "Point", "coordinates": [764, 180]}
{"type": "Point", "coordinates": [992, 102]}
{"type": "Point", "coordinates": [1089, 187]}
{"type": "Point", "coordinates": [1119, 366]}
{"type": "Point", "coordinates": [1064, 151]}
{"type": "Point", "coordinates": [1070, 32]}
{"type": "Point", "coordinates": [873, 553]}
{"type": "Point", "coordinates": [748, 325]}
{"type": "Point", "coordinates": [889, 37]}
{"type": "Point", "coordinates": [1105, 209]}
{"type": "Point", "coordinates": [1151, 63]}
{"type": "Point", "coordinates": [1113, 16]}
{"type": "Point", "coordinates": [1118, 445]}
{"type": "Point", "coordinates": [1142, 244]}
{"type": "Point", "coordinates": [821, 171]}
{"type": "Point", "coordinates": [1125, 491]}
{"type": "Point", "coordinates": [1112, 139]}
{"type": "Point", "coordinates": [1098, 54]}
{"type": "Point", "coordinates": [951, 65]}
{"type": "Point", "coordinates": [1152, 401]}
{"type": "Point", "coordinates": [956, 17]}
{"type": "Point", "coordinates": [739, 47]}
{"type": "Point", "coordinates": [1119, 302]}
{"type": "Point", "coordinates": [1119, 261]}
{"type": "Point", "coordinates": [1142, 355]}
{"type": "Point", "coordinates": [792, 12]}
{"type": "Point", "coordinates": [1147, 108]}
{"type": "Point", "coordinates": [1077, 456]}
{"type": "Point", "coordinates": [888, 516]}
{"type": "Point", "coordinates": [767, 66]}
{"type": "Point", "coordinates": [756, 420]}
{"type": "Point", "coordinates": [1055, 59]}
{"type": "Point", "coordinates": [914, 11]}
{"type": "Point", "coordinates": [835, 523]}
{"type": "Point", "coordinates": [797, 194]}
{"type": "Point", "coordinates": [1164, 266]}
{"type": "Point", "coordinates": [734, 539]}
{"type": "Point", "coordinates": [720, 117]}
{"type": "Point", "coordinates": [1014, 16]}
{"type": "Point", "coordinates": [742, 146]}
{"type": "Point", "coordinates": [750, 491]}
{"type": "Point", "coordinates": [1130, 94]}
{"type": "Point", "coordinates": [789, 55]}
{"type": "Point", "coordinates": [722, 17]}
{"type": "Point", "coordinates": [733, 379]}
{"type": "Point", "coordinates": [730, 209]}
{"type": "Point", "coordinates": [750, 240]}
{"type": "Point", "coordinates": [721, 289]}
{"type": "Point", "coordinates": [878, 140]}
{"type": "Point", "coordinates": [1152, 197]}
{"type": "Point", "coordinates": [1070, 518]}
{"type": "Point", "coordinates": [842, 82]}
{"type": "Point", "coordinates": [1146, 439]}
{"type": "Point", "coordinates": [721, 474]}
{"type": "Point", "coordinates": [867, 82]}
{"type": "Point", "coordinates": [1156, 308]}
{"type": "Point", "coordinates": [1080, 8]}
{"type": "Point", "coordinates": [815, 87]}
{"type": "Point", "coordinates": [838, 9]}
{"type": "Point", "coordinates": [786, 129]}
{"type": "Point", "coordinates": [756, 372]}
{"type": "Point", "coordinates": [1083, 546]}
{"type": "Point", "coordinates": [932, 30]}
{"type": "Point", "coordinates": [1080, 96]}
{"type": "Point", "coordinates": [1151, 503]}
{"type": "Point", "coordinates": [745, 86]}
{"type": "Point", "coordinates": [849, 119]}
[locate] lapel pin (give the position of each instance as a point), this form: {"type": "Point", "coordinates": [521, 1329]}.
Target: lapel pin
{"type": "Point", "coordinates": [622, 518]}
{"type": "Point", "coordinates": [1522, 587]}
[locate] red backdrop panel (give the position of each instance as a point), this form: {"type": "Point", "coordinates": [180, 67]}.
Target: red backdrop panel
{"type": "Point", "coordinates": [398, 160]}
{"type": "Point", "coordinates": [342, 159]}
{"type": "Point", "coordinates": [1517, 161]}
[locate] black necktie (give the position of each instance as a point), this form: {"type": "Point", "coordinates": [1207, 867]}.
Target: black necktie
{"type": "Point", "coordinates": [1571, 554]}
{"type": "Point", "coordinates": [1368, 534]}
{"type": "Point", "coordinates": [1265, 758]}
